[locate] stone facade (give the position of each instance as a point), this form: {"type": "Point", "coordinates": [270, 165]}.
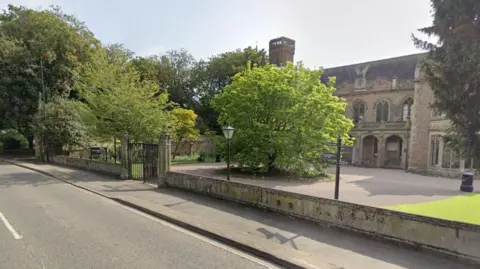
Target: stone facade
{"type": "Point", "coordinates": [395, 126]}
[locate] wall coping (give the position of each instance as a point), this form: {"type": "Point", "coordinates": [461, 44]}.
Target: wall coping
{"type": "Point", "coordinates": [370, 209]}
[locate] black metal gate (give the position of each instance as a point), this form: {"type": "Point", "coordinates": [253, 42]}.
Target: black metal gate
{"type": "Point", "coordinates": [143, 161]}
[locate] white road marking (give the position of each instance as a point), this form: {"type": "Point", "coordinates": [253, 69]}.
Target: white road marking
{"type": "Point", "coordinates": [10, 227]}
{"type": "Point", "coordinates": [179, 229]}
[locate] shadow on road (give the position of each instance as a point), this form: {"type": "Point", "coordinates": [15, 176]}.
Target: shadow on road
{"type": "Point", "coordinates": [288, 230]}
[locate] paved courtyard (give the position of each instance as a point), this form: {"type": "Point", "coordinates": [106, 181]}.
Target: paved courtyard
{"type": "Point", "coordinates": [374, 187]}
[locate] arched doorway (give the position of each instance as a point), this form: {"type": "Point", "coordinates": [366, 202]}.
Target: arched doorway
{"type": "Point", "coordinates": [393, 151]}
{"type": "Point", "coordinates": [370, 151]}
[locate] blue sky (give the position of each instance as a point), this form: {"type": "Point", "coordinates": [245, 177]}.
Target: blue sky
{"type": "Point", "coordinates": [327, 32]}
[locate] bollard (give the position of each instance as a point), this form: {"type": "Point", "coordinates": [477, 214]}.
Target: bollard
{"type": "Point", "coordinates": [467, 182]}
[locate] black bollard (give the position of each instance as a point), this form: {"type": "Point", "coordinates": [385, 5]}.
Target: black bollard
{"type": "Point", "coordinates": [467, 182]}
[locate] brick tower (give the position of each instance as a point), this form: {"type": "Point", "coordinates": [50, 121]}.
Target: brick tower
{"type": "Point", "coordinates": [281, 50]}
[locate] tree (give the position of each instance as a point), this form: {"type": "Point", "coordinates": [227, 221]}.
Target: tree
{"type": "Point", "coordinates": [217, 73]}
{"type": "Point", "coordinates": [452, 68]}
{"type": "Point", "coordinates": [60, 123]}
{"type": "Point", "coordinates": [124, 106]}
{"type": "Point", "coordinates": [184, 127]}
{"type": "Point", "coordinates": [282, 118]}
{"type": "Point", "coordinates": [118, 54]}
{"type": "Point", "coordinates": [47, 54]}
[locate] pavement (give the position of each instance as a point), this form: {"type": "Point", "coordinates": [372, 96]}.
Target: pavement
{"type": "Point", "coordinates": [277, 238]}
{"type": "Point", "coordinates": [46, 223]}
{"type": "Point", "coordinates": [373, 187]}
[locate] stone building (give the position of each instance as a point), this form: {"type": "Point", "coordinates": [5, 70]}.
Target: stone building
{"type": "Point", "coordinates": [395, 126]}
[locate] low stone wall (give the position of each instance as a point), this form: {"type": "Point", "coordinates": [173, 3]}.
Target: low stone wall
{"type": "Point", "coordinates": [113, 169]}
{"type": "Point", "coordinates": [456, 238]}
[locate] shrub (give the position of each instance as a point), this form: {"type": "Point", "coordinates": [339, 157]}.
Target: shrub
{"type": "Point", "coordinates": [12, 139]}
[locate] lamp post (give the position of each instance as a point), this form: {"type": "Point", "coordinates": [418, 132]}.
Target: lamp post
{"type": "Point", "coordinates": [228, 133]}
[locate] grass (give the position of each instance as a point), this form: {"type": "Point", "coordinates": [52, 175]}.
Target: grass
{"type": "Point", "coordinates": [462, 208]}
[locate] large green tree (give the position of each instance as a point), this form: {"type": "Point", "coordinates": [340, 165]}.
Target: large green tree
{"type": "Point", "coordinates": [42, 51]}
{"type": "Point", "coordinates": [217, 73]}
{"type": "Point", "coordinates": [60, 123]}
{"type": "Point", "coordinates": [282, 118]}
{"type": "Point", "coordinates": [123, 105]}
{"type": "Point", "coordinates": [452, 68]}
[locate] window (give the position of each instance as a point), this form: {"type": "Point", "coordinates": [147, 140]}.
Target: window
{"type": "Point", "coordinates": [358, 111]}
{"type": "Point", "coordinates": [434, 149]}
{"type": "Point", "coordinates": [407, 109]}
{"type": "Point", "coordinates": [382, 111]}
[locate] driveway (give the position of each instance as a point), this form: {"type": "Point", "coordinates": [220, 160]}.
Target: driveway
{"type": "Point", "coordinates": [368, 186]}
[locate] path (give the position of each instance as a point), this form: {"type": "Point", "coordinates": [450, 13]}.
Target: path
{"type": "Point", "coordinates": [374, 187]}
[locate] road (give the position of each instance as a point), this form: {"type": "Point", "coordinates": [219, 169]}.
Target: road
{"type": "Point", "coordinates": [45, 223]}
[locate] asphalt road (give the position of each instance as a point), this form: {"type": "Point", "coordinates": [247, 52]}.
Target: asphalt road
{"type": "Point", "coordinates": [45, 223]}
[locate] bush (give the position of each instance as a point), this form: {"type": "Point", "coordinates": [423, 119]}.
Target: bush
{"type": "Point", "coordinates": [1, 147]}
{"type": "Point", "coordinates": [12, 139]}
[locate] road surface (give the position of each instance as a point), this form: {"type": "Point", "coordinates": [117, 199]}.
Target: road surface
{"type": "Point", "coordinates": [45, 223]}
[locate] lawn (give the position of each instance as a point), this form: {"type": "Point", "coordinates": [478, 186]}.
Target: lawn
{"type": "Point", "coordinates": [464, 208]}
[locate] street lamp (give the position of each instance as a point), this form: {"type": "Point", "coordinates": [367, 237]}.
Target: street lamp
{"type": "Point", "coordinates": [228, 133]}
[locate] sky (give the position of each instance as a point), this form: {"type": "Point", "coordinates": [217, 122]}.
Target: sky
{"type": "Point", "coordinates": [327, 32]}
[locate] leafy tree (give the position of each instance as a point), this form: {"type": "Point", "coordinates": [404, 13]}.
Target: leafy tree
{"type": "Point", "coordinates": [48, 52]}
{"type": "Point", "coordinates": [452, 68]}
{"type": "Point", "coordinates": [60, 123]}
{"type": "Point", "coordinates": [282, 118]}
{"type": "Point", "coordinates": [124, 106]}
{"type": "Point", "coordinates": [217, 73]}
{"type": "Point", "coordinates": [118, 54]}
{"type": "Point", "coordinates": [12, 139]}
{"type": "Point", "coordinates": [184, 127]}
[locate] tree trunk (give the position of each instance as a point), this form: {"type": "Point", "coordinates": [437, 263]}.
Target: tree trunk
{"type": "Point", "coordinates": [30, 142]}
{"type": "Point", "coordinates": [177, 146]}
{"type": "Point", "coordinates": [271, 162]}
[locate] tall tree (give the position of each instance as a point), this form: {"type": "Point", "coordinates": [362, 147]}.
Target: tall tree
{"type": "Point", "coordinates": [50, 50]}
{"type": "Point", "coordinates": [118, 54]}
{"type": "Point", "coordinates": [452, 68]}
{"type": "Point", "coordinates": [282, 118]}
{"type": "Point", "coordinates": [122, 105]}
{"type": "Point", "coordinates": [217, 73]}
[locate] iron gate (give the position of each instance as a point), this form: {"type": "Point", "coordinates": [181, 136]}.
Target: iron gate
{"type": "Point", "coordinates": [143, 161]}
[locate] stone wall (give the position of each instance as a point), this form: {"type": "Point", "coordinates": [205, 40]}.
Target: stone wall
{"type": "Point", "coordinates": [113, 169]}
{"type": "Point", "coordinates": [203, 144]}
{"type": "Point", "coordinates": [456, 238]}
{"type": "Point", "coordinates": [420, 130]}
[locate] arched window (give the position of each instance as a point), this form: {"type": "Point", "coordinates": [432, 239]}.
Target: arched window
{"type": "Point", "coordinates": [407, 109]}
{"type": "Point", "coordinates": [358, 111]}
{"type": "Point", "coordinates": [382, 111]}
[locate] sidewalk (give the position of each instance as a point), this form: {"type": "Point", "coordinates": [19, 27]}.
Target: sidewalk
{"type": "Point", "coordinates": [296, 241]}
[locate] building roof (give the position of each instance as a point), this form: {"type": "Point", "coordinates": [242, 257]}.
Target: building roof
{"type": "Point", "coordinates": [400, 67]}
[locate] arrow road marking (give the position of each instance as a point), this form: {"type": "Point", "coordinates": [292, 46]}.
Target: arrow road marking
{"type": "Point", "coordinates": [9, 227]}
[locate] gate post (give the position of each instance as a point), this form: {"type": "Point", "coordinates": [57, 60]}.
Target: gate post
{"type": "Point", "coordinates": [124, 160]}
{"type": "Point", "coordinates": [164, 155]}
